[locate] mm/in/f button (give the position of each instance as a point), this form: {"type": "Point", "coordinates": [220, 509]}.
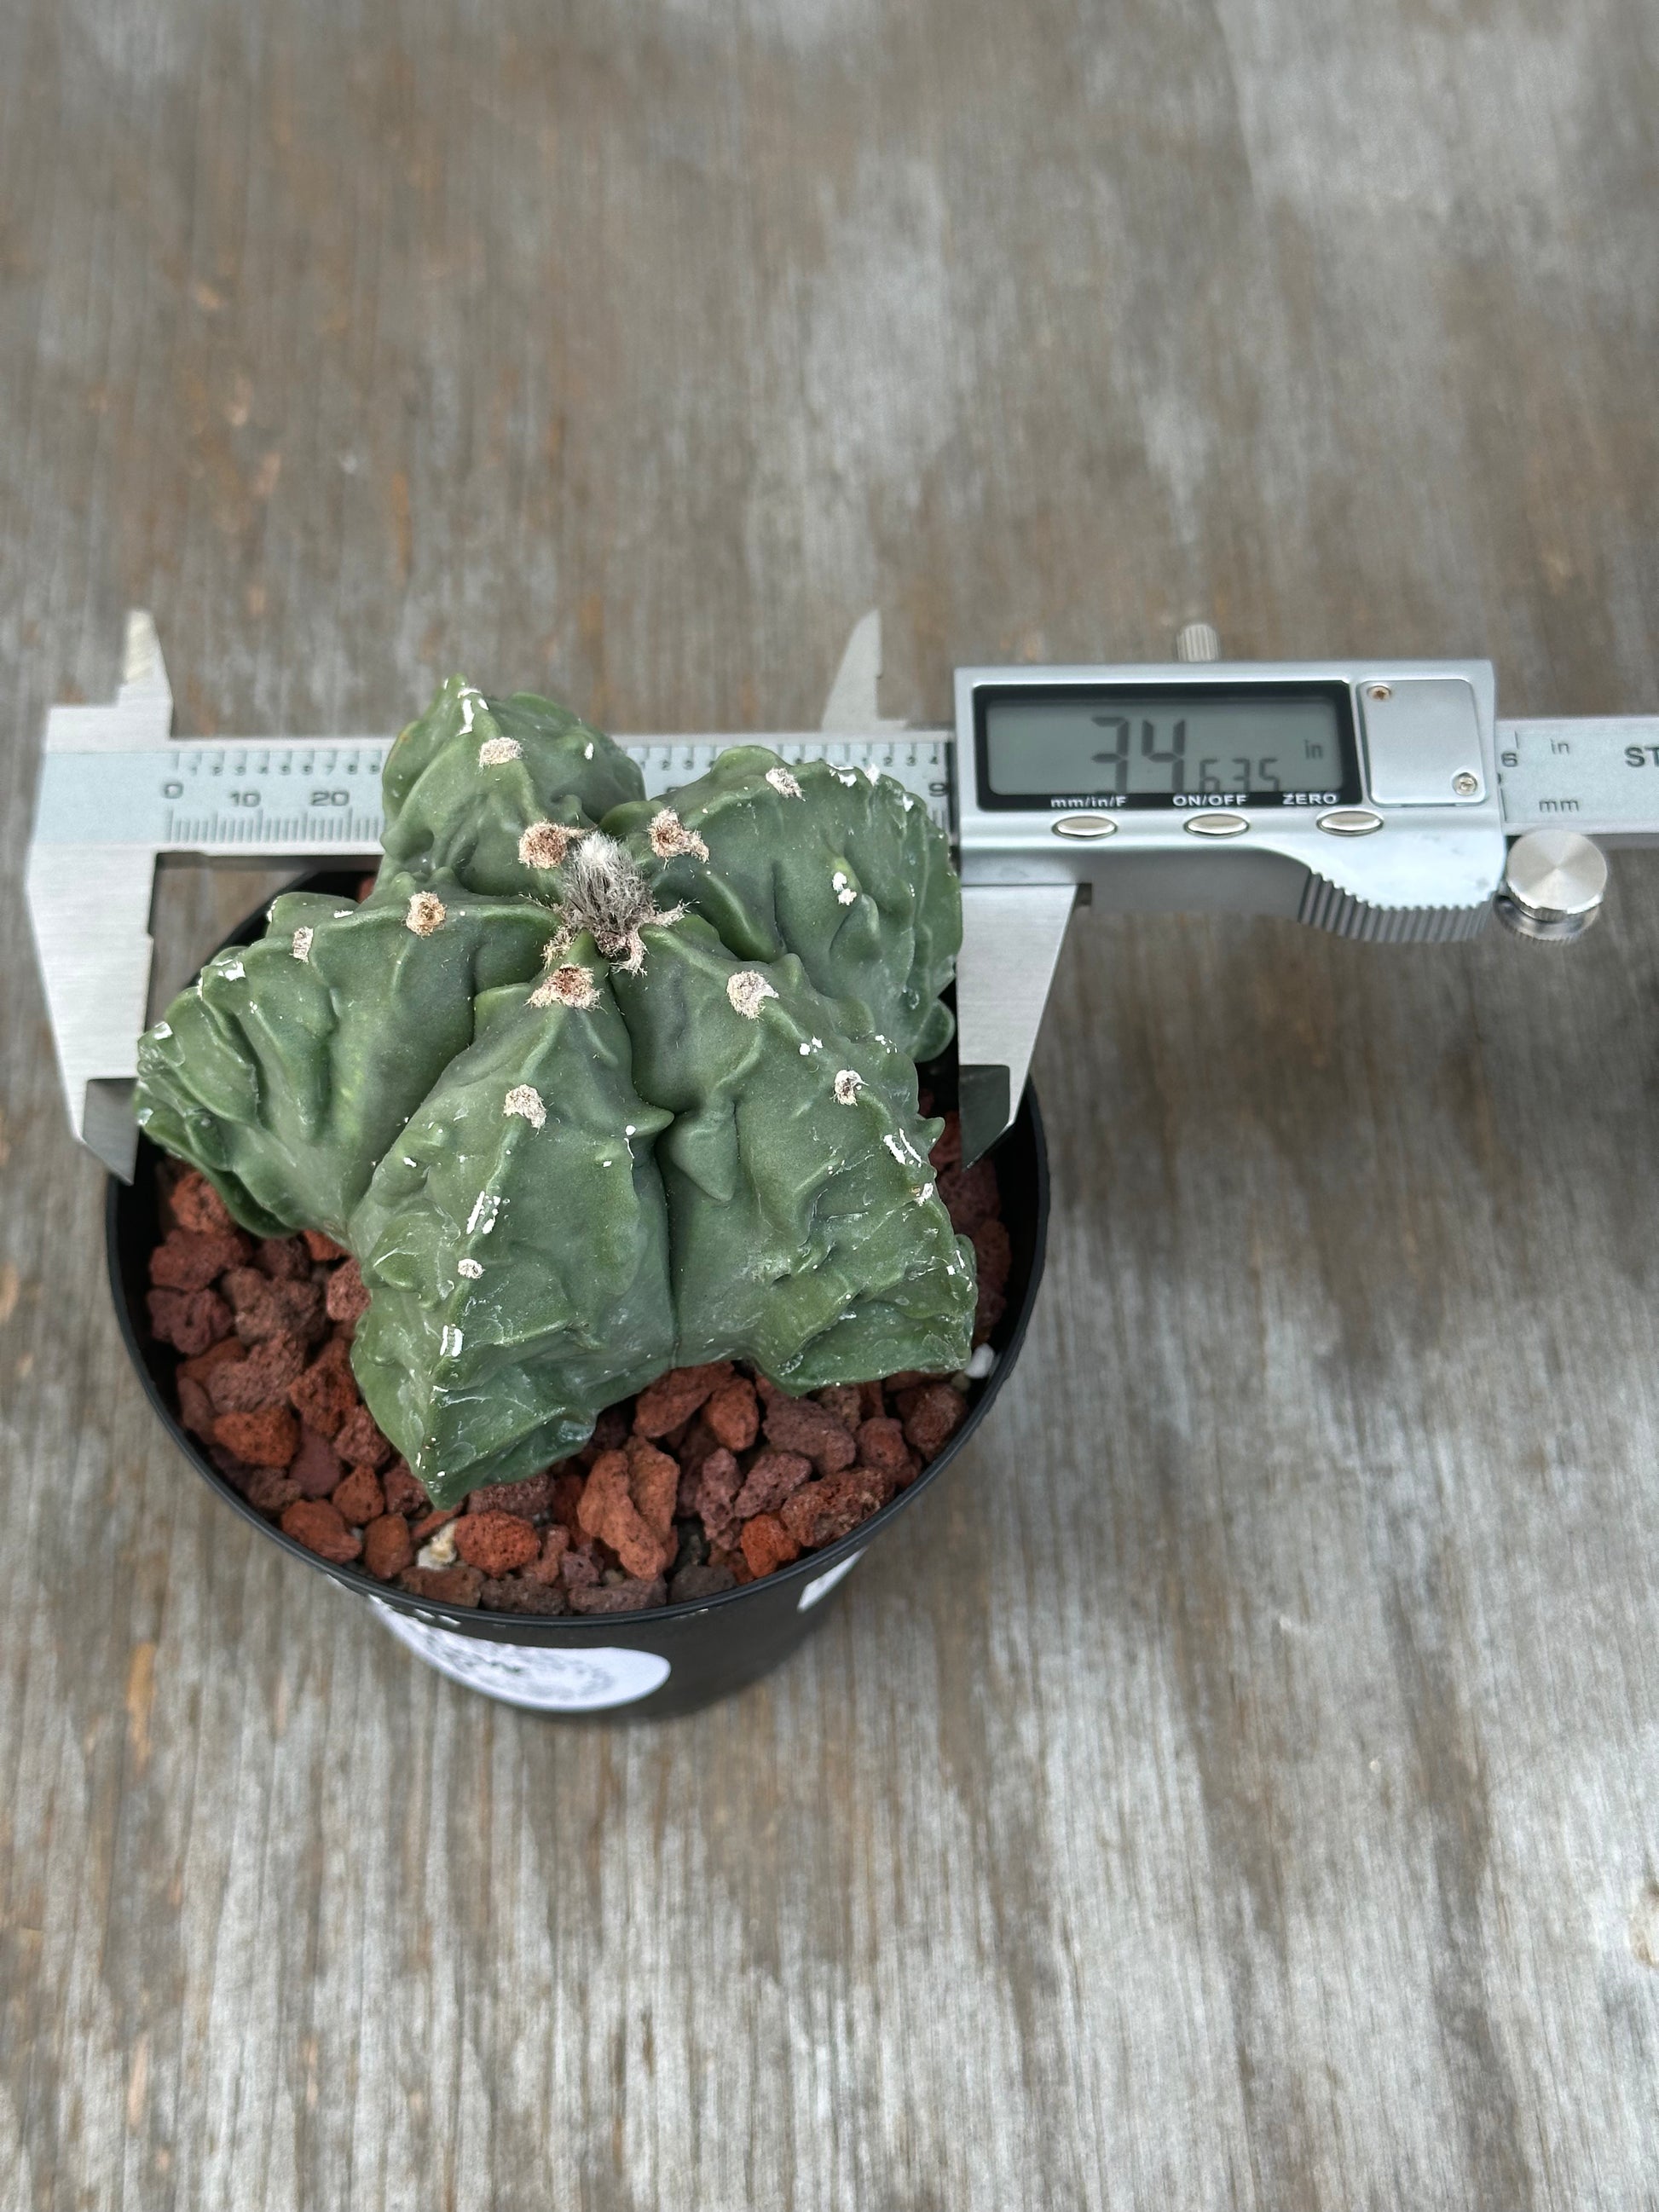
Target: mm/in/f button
{"type": "Point", "coordinates": [1083, 825]}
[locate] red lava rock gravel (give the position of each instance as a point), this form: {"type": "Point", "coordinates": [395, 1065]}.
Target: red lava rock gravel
{"type": "Point", "coordinates": [387, 1547]}
{"type": "Point", "coordinates": [674, 1397]}
{"type": "Point", "coordinates": [732, 1414]}
{"type": "Point", "coordinates": [316, 1467]}
{"type": "Point", "coordinates": [796, 1425]}
{"type": "Point", "coordinates": [710, 1478]}
{"type": "Point", "coordinates": [495, 1542]}
{"type": "Point", "coordinates": [932, 1415]}
{"type": "Point", "coordinates": [346, 1299]}
{"type": "Point", "coordinates": [360, 1499]}
{"type": "Point", "coordinates": [197, 1205]}
{"type": "Point", "coordinates": [321, 1528]}
{"type": "Point", "coordinates": [774, 1476]}
{"type": "Point", "coordinates": [268, 1438]}
{"type": "Point", "coordinates": [188, 1262]}
{"type": "Point", "coordinates": [767, 1544]}
{"type": "Point", "coordinates": [190, 1320]}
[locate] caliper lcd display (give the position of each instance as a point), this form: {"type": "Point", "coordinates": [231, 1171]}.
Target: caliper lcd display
{"type": "Point", "coordinates": [1165, 745]}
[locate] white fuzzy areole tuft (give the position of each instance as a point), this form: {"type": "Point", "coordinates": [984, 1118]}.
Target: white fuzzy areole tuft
{"type": "Point", "coordinates": [670, 837]}
{"type": "Point", "coordinates": [547, 844]}
{"type": "Point", "coordinates": [300, 947]}
{"type": "Point", "coordinates": [848, 1084]}
{"type": "Point", "coordinates": [426, 912]}
{"type": "Point", "coordinates": [470, 1268]}
{"type": "Point", "coordinates": [524, 1100]}
{"type": "Point", "coordinates": [603, 891]}
{"type": "Point", "coordinates": [495, 752]}
{"type": "Point", "coordinates": [569, 986]}
{"type": "Point", "coordinates": [747, 991]}
{"type": "Point", "coordinates": [781, 780]}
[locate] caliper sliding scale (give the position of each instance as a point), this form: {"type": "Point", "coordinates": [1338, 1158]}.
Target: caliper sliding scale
{"type": "Point", "coordinates": [1379, 799]}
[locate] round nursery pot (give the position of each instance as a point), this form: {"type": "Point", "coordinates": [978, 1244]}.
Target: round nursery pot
{"type": "Point", "coordinates": [649, 1664]}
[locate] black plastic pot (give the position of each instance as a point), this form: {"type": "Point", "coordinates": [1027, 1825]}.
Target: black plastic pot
{"type": "Point", "coordinates": [644, 1665]}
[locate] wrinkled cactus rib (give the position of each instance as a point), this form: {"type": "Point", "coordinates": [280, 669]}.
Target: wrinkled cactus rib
{"type": "Point", "coordinates": [593, 1085]}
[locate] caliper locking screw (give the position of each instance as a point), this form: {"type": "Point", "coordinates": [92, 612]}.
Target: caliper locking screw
{"type": "Point", "coordinates": [1465, 785]}
{"type": "Point", "coordinates": [1553, 885]}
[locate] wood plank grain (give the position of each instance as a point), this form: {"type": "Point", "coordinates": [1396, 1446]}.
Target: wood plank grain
{"type": "Point", "coordinates": [1241, 1791]}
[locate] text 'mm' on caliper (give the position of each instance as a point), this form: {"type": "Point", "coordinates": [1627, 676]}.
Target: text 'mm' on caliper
{"type": "Point", "coordinates": [1379, 799]}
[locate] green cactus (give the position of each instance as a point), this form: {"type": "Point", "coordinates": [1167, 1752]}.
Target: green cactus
{"type": "Point", "coordinates": [593, 1085]}
{"type": "Point", "coordinates": [487, 787]}
{"type": "Point", "coordinates": [796, 1171]}
{"type": "Point", "coordinates": [844, 870]}
{"type": "Point", "coordinates": [515, 1243]}
{"type": "Point", "coordinates": [289, 1065]}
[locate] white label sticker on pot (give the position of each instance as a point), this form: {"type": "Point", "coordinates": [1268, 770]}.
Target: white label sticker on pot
{"type": "Point", "coordinates": [822, 1585]}
{"type": "Point", "coordinates": [573, 1681]}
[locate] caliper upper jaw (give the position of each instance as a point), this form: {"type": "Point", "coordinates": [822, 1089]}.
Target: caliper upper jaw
{"type": "Point", "coordinates": [1011, 934]}
{"type": "Point", "coordinates": [90, 907]}
{"type": "Point", "coordinates": [1010, 937]}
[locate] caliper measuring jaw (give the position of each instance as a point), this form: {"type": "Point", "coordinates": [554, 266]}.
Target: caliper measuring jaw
{"type": "Point", "coordinates": [89, 902]}
{"type": "Point", "coordinates": [103, 820]}
{"type": "Point", "coordinates": [1012, 935]}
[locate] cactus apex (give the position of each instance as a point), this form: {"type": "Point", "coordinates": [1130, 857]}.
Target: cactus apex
{"type": "Point", "coordinates": [604, 892]}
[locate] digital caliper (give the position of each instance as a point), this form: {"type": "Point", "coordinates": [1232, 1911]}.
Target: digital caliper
{"type": "Point", "coordinates": [1379, 799]}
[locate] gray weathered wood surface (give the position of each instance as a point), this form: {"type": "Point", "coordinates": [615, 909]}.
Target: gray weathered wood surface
{"type": "Point", "coordinates": [1242, 1792]}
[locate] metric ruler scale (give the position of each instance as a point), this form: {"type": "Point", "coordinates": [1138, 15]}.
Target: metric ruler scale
{"type": "Point", "coordinates": [303, 796]}
{"type": "Point", "coordinates": [1377, 799]}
